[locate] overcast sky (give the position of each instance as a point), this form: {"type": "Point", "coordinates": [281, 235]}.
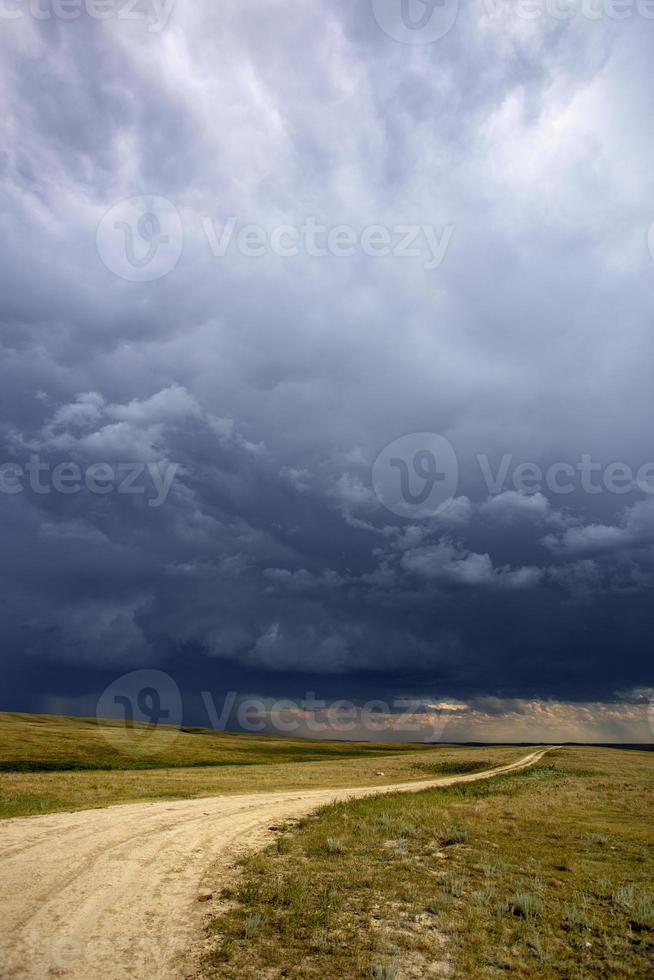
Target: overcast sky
{"type": "Point", "coordinates": [449, 257]}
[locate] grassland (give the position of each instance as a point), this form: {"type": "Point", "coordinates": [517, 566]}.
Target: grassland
{"type": "Point", "coordinates": [51, 763]}
{"type": "Point", "coordinates": [545, 873]}
{"type": "Point", "coordinates": [42, 743]}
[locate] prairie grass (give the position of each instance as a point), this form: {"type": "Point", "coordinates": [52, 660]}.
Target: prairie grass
{"type": "Point", "coordinates": [54, 743]}
{"type": "Point", "coordinates": [549, 876]}
{"type": "Point", "coordinates": [50, 763]}
{"type": "Point", "coordinates": [525, 904]}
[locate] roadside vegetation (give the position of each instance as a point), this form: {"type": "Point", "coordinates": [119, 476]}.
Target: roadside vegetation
{"type": "Point", "coordinates": [50, 763]}
{"type": "Point", "coordinates": [542, 873]}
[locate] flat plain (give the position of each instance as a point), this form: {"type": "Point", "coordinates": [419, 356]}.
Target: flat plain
{"type": "Point", "coordinates": [541, 873]}
{"type": "Point", "coordinates": [50, 763]}
{"type": "Point", "coordinates": [379, 861]}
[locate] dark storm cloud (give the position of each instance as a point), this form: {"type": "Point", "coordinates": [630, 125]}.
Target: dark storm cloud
{"type": "Point", "coordinates": [268, 386]}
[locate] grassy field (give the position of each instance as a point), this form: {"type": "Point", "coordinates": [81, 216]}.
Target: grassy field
{"type": "Point", "coordinates": [42, 743]}
{"type": "Point", "coordinates": [50, 763]}
{"type": "Point", "coordinates": [545, 873]}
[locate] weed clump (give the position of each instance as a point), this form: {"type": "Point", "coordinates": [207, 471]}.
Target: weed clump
{"type": "Point", "coordinates": [638, 904]}
{"type": "Point", "coordinates": [388, 970]}
{"type": "Point", "coordinates": [454, 836]}
{"type": "Point", "coordinates": [253, 926]}
{"type": "Point", "coordinates": [525, 905]}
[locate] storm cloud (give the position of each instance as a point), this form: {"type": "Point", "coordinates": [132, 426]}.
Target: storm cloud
{"type": "Point", "coordinates": [249, 390]}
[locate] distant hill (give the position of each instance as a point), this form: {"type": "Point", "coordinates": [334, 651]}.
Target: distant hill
{"type": "Point", "coordinates": [57, 743]}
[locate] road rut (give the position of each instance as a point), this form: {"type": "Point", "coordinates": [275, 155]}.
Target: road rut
{"type": "Point", "coordinates": [111, 894]}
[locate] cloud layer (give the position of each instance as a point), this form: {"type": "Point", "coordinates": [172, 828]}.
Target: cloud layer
{"type": "Point", "coordinates": [271, 384]}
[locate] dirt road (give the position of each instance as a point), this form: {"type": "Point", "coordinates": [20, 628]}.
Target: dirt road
{"type": "Point", "coordinates": [113, 893]}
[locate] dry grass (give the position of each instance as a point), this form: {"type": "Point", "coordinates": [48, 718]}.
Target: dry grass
{"type": "Point", "coordinates": [540, 874]}
{"type": "Point", "coordinates": [40, 743]}
{"type": "Point", "coordinates": [108, 771]}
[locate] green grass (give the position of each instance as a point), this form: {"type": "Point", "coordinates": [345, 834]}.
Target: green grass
{"type": "Point", "coordinates": [53, 743]}
{"type": "Point", "coordinates": [51, 763]}
{"type": "Point", "coordinates": [456, 767]}
{"type": "Point", "coordinates": [540, 874]}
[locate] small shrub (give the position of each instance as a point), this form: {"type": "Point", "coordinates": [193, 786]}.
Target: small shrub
{"type": "Point", "coordinates": [577, 915]}
{"type": "Point", "coordinates": [333, 845]}
{"type": "Point", "coordinates": [639, 905]}
{"type": "Point", "coordinates": [481, 897]}
{"type": "Point", "coordinates": [386, 971]}
{"type": "Point", "coordinates": [454, 836]}
{"type": "Point", "coordinates": [453, 885]}
{"type": "Point", "coordinates": [253, 925]}
{"type": "Point", "coordinates": [320, 941]}
{"type": "Point", "coordinates": [525, 905]}
{"type": "Point", "coordinates": [442, 903]}
{"type": "Point", "coordinates": [536, 947]}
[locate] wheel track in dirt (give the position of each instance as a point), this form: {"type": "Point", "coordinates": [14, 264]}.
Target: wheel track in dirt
{"type": "Point", "coordinates": [112, 893]}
